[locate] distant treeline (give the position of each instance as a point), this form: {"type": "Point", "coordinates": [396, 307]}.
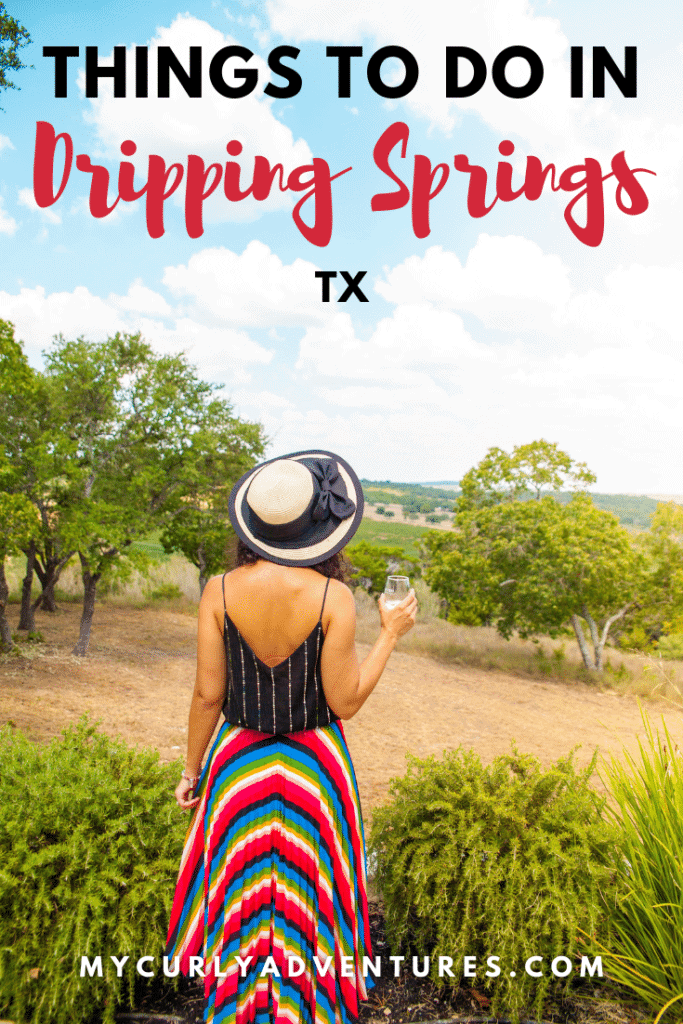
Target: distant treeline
{"type": "Point", "coordinates": [631, 509]}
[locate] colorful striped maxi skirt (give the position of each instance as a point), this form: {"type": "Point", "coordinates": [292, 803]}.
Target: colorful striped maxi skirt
{"type": "Point", "coordinates": [274, 868]}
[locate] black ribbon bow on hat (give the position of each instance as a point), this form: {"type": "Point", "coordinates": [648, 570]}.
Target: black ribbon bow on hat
{"type": "Point", "coordinates": [333, 498]}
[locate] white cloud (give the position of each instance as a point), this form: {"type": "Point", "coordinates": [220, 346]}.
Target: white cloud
{"type": "Point", "coordinates": [424, 394]}
{"type": "Point", "coordinates": [254, 288]}
{"type": "Point", "coordinates": [38, 316]}
{"type": "Point", "coordinates": [508, 283]}
{"type": "Point", "coordinates": [8, 225]}
{"type": "Point", "coordinates": [512, 286]}
{"type": "Point", "coordinates": [218, 293]}
{"type": "Point", "coordinates": [617, 408]}
{"type": "Point", "coordinates": [219, 352]}
{"type": "Point", "coordinates": [180, 125]}
{"type": "Point", "coordinates": [414, 337]}
{"type": "Point", "coordinates": [636, 304]}
{"type": "Point", "coordinates": [5, 143]}
{"type": "Point", "coordinates": [262, 399]}
{"type": "Point", "coordinates": [27, 199]}
{"type": "Point", "coordinates": [265, 407]}
{"type": "Point", "coordinates": [610, 367]}
{"type": "Point", "coordinates": [141, 299]}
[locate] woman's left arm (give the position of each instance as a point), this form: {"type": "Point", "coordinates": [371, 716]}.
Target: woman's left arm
{"type": "Point", "coordinates": [209, 689]}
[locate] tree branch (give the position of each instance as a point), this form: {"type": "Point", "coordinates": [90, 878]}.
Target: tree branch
{"type": "Point", "coordinates": [610, 622]}
{"type": "Point", "coordinates": [594, 632]}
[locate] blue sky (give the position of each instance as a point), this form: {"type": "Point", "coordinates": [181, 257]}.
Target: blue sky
{"type": "Point", "coordinates": [496, 330]}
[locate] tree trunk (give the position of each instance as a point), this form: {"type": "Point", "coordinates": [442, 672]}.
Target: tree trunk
{"type": "Point", "coordinates": [201, 564]}
{"type": "Point", "coordinates": [27, 615]}
{"type": "Point", "coordinates": [49, 576]}
{"type": "Point", "coordinates": [90, 581]}
{"type": "Point", "coordinates": [47, 602]}
{"type": "Point", "coordinates": [581, 641]}
{"type": "Point", "coordinates": [6, 641]}
{"type": "Point", "coordinates": [597, 646]}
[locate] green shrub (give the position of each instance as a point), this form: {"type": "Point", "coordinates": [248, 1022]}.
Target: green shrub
{"type": "Point", "coordinates": [90, 842]}
{"type": "Point", "coordinates": [34, 637]}
{"type": "Point", "coordinates": [670, 646]}
{"type": "Point", "coordinates": [166, 592]}
{"type": "Point", "coordinates": [636, 639]}
{"type": "Point", "coordinates": [505, 860]}
{"type": "Point", "coordinates": [646, 950]}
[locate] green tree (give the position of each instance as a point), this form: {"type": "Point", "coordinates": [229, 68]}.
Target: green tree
{"type": "Point", "coordinates": [197, 522]}
{"type": "Point", "coordinates": [528, 471]}
{"type": "Point", "coordinates": [132, 424]}
{"type": "Point", "coordinates": [27, 451]}
{"type": "Point", "coordinates": [12, 37]}
{"type": "Point", "coordinates": [95, 504]}
{"type": "Point", "coordinates": [372, 563]}
{"type": "Point", "coordinates": [534, 566]}
{"type": "Point", "coordinates": [660, 603]}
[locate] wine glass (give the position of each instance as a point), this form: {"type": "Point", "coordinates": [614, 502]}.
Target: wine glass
{"type": "Point", "coordinates": [395, 589]}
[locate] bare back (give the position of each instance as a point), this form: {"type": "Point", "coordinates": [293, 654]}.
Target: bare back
{"type": "Point", "coordinates": [275, 607]}
{"type": "Point", "coordinates": [275, 610]}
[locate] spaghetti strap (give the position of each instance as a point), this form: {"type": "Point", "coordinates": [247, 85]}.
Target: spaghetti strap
{"type": "Point", "coordinates": [320, 619]}
{"type": "Point", "coordinates": [225, 609]}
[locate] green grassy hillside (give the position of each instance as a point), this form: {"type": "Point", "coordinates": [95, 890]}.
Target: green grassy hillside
{"type": "Point", "coordinates": [632, 509]}
{"type": "Point", "coordinates": [388, 534]}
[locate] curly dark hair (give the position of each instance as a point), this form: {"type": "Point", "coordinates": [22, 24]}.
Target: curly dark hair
{"type": "Point", "coordinates": [337, 567]}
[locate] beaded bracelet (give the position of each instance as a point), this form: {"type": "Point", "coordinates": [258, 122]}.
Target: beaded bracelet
{"type": "Point", "coordinates": [194, 779]}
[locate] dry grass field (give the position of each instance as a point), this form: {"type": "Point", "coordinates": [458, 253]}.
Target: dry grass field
{"type": "Point", "coordinates": [399, 517]}
{"type": "Point", "coordinates": [438, 692]}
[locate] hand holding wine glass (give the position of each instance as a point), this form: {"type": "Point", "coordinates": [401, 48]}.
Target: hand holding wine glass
{"type": "Point", "coordinates": [398, 606]}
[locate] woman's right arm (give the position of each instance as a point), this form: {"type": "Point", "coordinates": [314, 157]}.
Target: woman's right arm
{"type": "Point", "coordinates": [347, 684]}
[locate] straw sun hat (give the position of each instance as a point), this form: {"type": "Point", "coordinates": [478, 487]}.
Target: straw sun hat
{"type": "Point", "coordinates": [299, 509]}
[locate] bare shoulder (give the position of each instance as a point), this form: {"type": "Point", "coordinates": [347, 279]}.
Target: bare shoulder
{"type": "Point", "coordinates": [340, 602]}
{"type": "Point", "coordinates": [213, 589]}
{"type": "Point", "coordinates": [340, 593]}
{"type": "Point", "coordinates": [212, 599]}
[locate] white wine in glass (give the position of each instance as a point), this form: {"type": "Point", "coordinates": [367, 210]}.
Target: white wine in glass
{"type": "Point", "coordinates": [395, 589]}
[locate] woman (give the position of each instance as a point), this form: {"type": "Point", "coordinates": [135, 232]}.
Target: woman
{"type": "Point", "coordinates": [271, 893]}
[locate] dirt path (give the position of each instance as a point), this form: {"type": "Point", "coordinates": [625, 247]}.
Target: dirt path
{"type": "Point", "coordinates": [425, 707]}
{"type": "Point", "coordinates": [138, 681]}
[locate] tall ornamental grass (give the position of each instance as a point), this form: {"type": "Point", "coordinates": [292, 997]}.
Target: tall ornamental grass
{"type": "Point", "coordinates": [504, 860]}
{"type": "Point", "coordinates": [90, 842]}
{"type": "Point", "coordinates": [646, 950]}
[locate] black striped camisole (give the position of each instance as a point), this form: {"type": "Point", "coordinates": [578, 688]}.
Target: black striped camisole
{"type": "Point", "coordinates": [287, 697]}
